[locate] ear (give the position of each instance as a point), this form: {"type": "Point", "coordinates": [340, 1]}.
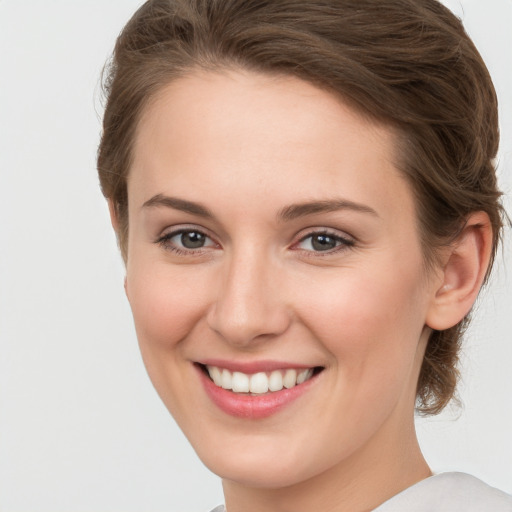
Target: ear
{"type": "Point", "coordinates": [113, 215]}
{"type": "Point", "coordinates": [463, 273]}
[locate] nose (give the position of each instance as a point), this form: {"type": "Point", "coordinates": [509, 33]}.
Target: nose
{"type": "Point", "coordinates": [248, 306]}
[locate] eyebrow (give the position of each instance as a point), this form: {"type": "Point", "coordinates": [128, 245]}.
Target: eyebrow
{"type": "Point", "coordinates": [288, 213]}
{"type": "Point", "coordinates": [178, 204]}
{"type": "Point", "coordinates": [295, 211]}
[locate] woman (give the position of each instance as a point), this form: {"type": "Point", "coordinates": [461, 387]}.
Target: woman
{"type": "Point", "coordinates": [305, 199]}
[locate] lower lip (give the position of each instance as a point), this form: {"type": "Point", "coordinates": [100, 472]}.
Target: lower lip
{"type": "Point", "coordinates": [256, 406]}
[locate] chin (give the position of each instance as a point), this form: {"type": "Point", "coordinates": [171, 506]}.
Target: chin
{"type": "Point", "coordinates": [266, 458]}
{"type": "Point", "coordinates": [259, 472]}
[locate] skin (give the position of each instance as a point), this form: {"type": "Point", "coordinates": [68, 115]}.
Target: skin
{"type": "Point", "coordinates": [245, 147]}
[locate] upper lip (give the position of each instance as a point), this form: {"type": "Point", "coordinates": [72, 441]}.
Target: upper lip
{"type": "Point", "coordinates": [251, 367]}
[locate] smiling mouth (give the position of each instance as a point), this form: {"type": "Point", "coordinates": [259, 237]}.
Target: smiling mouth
{"type": "Point", "coordinates": [260, 383]}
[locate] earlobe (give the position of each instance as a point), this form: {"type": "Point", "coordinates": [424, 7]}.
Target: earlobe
{"type": "Point", "coordinates": [464, 271]}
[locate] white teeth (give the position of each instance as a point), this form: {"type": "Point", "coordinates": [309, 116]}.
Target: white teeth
{"type": "Point", "coordinates": [304, 375]}
{"type": "Point", "coordinates": [275, 382]}
{"type": "Point", "coordinates": [226, 380]}
{"type": "Point", "coordinates": [258, 383]}
{"type": "Point", "coordinates": [216, 375]}
{"type": "Point", "coordinates": [240, 382]}
{"type": "Point", "coordinates": [290, 379]}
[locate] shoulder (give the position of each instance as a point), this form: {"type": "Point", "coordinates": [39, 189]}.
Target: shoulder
{"type": "Point", "coordinates": [449, 492]}
{"type": "Point", "coordinates": [446, 492]}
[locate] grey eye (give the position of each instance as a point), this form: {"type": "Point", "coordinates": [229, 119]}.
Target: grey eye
{"type": "Point", "coordinates": [192, 239]}
{"type": "Point", "coordinates": [323, 242]}
{"type": "Point", "coordinates": [186, 240]}
{"type": "Point", "coordinates": [320, 242]}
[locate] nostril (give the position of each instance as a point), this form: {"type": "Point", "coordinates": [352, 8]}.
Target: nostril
{"type": "Point", "coordinates": [247, 309]}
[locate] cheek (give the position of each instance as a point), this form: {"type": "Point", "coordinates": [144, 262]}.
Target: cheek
{"type": "Point", "coordinates": [166, 302]}
{"type": "Point", "coordinates": [371, 326]}
{"type": "Point", "coordinates": [370, 321]}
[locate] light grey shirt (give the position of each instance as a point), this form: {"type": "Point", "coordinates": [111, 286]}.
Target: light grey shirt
{"type": "Point", "coordinates": [446, 492]}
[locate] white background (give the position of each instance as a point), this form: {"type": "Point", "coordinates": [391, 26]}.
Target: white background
{"type": "Point", "coordinates": [81, 429]}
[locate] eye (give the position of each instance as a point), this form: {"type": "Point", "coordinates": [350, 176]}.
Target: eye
{"type": "Point", "coordinates": [190, 239]}
{"type": "Point", "coordinates": [324, 242]}
{"type": "Point", "coordinates": [185, 241]}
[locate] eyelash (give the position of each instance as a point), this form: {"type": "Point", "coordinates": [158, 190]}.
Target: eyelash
{"type": "Point", "coordinates": [165, 242]}
{"type": "Point", "coordinates": [342, 243]}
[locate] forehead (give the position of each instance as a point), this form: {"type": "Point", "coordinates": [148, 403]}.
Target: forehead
{"type": "Point", "coordinates": [228, 99]}
{"type": "Point", "coordinates": [246, 133]}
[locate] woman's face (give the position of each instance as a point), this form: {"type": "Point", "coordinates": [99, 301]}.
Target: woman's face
{"type": "Point", "coordinates": [271, 241]}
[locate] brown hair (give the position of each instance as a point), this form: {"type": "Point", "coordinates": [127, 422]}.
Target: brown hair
{"type": "Point", "coordinates": [407, 63]}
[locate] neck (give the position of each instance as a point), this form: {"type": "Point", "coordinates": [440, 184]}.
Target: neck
{"type": "Point", "coordinates": [369, 477]}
